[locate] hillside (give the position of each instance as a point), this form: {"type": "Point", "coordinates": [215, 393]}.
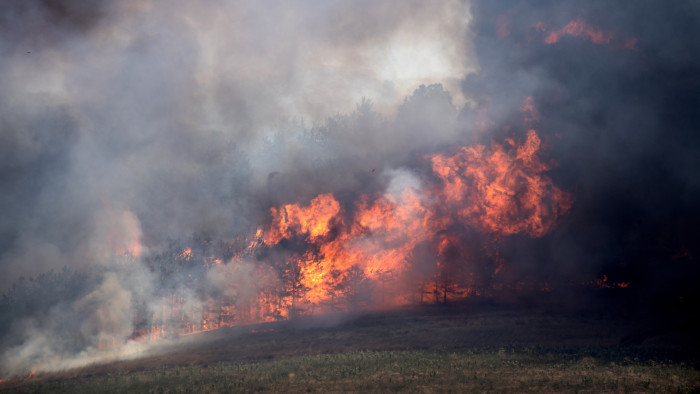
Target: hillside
{"type": "Point", "coordinates": [477, 345]}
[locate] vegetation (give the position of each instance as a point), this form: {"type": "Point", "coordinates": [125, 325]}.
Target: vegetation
{"type": "Point", "coordinates": [514, 370]}
{"type": "Point", "coordinates": [36, 295]}
{"type": "Point", "coordinates": [469, 347]}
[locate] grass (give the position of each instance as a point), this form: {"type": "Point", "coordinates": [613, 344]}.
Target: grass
{"type": "Point", "coordinates": [503, 370]}
{"type": "Point", "coordinates": [469, 348]}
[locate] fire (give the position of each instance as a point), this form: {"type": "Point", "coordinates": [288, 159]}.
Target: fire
{"type": "Point", "coordinates": [313, 220]}
{"type": "Point", "coordinates": [582, 29]}
{"type": "Point", "coordinates": [428, 238]}
{"type": "Point", "coordinates": [579, 28]}
{"type": "Point", "coordinates": [376, 241]}
{"type": "Point", "coordinates": [501, 190]}
{"type": "Point", "coordinates": [603, 283]}
{"type": "Point", "coordinates": [186, 254]}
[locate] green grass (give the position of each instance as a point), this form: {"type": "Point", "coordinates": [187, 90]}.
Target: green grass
{"type": "Point", "coordinates": [502, 370]}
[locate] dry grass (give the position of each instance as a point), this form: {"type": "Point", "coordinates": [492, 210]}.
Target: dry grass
{"type": "Point", "coordinates": [524, 370]}
{"type": "Point", "coordinates": [469, 348]}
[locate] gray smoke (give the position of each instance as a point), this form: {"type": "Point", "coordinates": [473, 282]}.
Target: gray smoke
{"type": "Point", "coordinates": [127, 124]}
{"type": "Point", "coordinates": [178, 115]}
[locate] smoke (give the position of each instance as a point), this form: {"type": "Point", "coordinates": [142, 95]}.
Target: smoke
{"type": "Point", "coordinates": [127, 125]}
{"type": "Point", "coordinates": [80, 330]}
{"type": "Point", "coordinates": [179, 114]}
{"type": "Point", "coordinates": [616, 93]}
{"type": "Point", "coordinates": [124, 125]}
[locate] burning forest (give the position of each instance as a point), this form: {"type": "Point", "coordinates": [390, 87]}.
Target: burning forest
{"type": "Point", "coordinates": [168, 171]}
{"type": "Point", "coordinates": [405, 245]}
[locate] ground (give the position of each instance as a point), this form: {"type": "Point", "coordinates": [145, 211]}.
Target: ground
{"type": "Point", "coordinates": [473, 346]}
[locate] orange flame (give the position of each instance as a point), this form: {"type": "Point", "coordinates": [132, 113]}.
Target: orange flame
{"type": "Point", "coordinates": [313, 220]}
{"type": "Point", "coordinates": [580, 28]}
{"type": "Point", "coordinates": [603, 283]}
{"type": "Point", "coordinates": [186, 254]}
{"type": "Point", "coordinates": [405, 245]}
{"type": "Point", "coordinates": [502, 191]}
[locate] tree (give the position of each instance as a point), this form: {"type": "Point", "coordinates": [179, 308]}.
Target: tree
{"type": "Point", "coordinates": [358, 290]}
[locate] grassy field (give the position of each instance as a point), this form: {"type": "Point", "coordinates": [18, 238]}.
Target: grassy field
{"type": "Point", "coordinates": [441, 349]}
{"type": "Point", "coordinates": [514, 370]}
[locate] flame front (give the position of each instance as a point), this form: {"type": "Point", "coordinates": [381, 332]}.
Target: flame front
{"type": "Point", "coordinates": [500, 191]}
{"type": "Point", "coordinates": [430, 238]}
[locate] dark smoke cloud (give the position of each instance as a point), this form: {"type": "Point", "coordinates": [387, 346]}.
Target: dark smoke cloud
{"type": "Point", "coordinates": [44, 22]}
{"type": "Point", "coordinates": [622, 123]}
